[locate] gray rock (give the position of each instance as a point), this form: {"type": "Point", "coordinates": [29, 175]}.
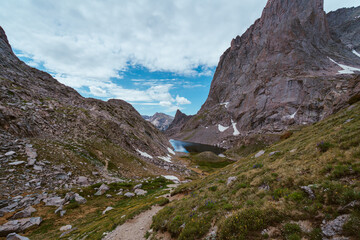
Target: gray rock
{"type": "Point", "coordinates": [138, 186]}
{"type": "Point", "coordinates": [38, 168]}
{"type": "Point", "coordinates": [54, 201]}
{"type": "Point", "coordinates": [129, 194]}
{"type": "Point", "coordinates": [140, 192]}
{"type": "Point", "coordinates": [16, 163]}
{"type": "Point", "coordinates": [83, 181]}
{"type": "Point", "coordinates": [79, 198]}
{"type": "Point", "coordinates": [309, 191]}
{"type": "Point", "coordinates": [334, 227]}
{"type": "Point", "coordinates": [65, 228]}
{"type": "Point", "coordinates": [259, 154]}
{"type": "Point", "coordinates": [20, 225]}
{"type": "Point", "coordinates": [107, 209]}
{"type": "Point", "coordinates": [24, 213]}
{"type": "Point", "coordinates": [14, 236]}
{"type": "Point", "coordinates": [102, 189]}
{"type": "Point", "coordinates": [230, 180]}
{"type": "Point", "coordinates": [31, 162]}
{"type": "Point", "coordinates": [10, 153]}
{"type": "Point", "coordinates": [273, 153]}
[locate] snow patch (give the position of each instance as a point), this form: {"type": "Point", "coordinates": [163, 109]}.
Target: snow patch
{"type": "Point", "coordinates": [144, 154]}
{"type": "Point", "coordinates": [346, 69]}
{"type": "Point", "coordinates": [166, 159]}
{"type": "Point", "coordinates": [172, 178]}
{"type": "Point", "coordinates": [292, 116]}
{"type": "Point", "coordinates": [221, 155]}
{"type": "Point", "coordinates": [222, 128]}
{"type": "Point", "coordinates": [236, 132]}
{"type": "Point", "coordinates": [226, 104]}
{"type": "Point", "coordinates": [356, 53]}
{"type": "Point", "coordinates": [171, 151]}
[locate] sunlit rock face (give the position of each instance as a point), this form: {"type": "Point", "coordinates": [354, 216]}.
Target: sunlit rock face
{"type": "Point", "coordinates": [291, 67]}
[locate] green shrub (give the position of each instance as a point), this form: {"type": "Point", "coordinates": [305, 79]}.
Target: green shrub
{"type": "Point", "coordinates": [352, 227]}
{"type": "Point", "coordinates": [324, 146]}
{"type": "Point", "coordinates": [296, 196]}
{"type": "Point", "coordinates": [228, 206]}
{"type": "Point", "coordinates": [291, 228]}
{"type": "Point", "coordinates": [340, 171]}
{"type": "Point", "coordinates": [213, 188]}
{"type": "Point", "coordinates": [238, 226]}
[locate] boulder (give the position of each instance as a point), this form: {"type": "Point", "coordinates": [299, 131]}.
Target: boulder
{"type": "Point", "coordinates": [230, 180]}
{"type": "Point", "coordinates": [10, 153]}
{"type": "Point", "coordinates": [24, 213]}
{"type": "Point", "coordinates": [102, 189]}
{"type": "Point", "coordinates": [65, 228]}
{"type": "Point", "coordinates": [54, 201]}
{"type": "Point", "coordinates": [83, 181]}
{"type": "Point", "coordinates": [129, 194]}
{"type": "Point", "coordinates": [309, 191]}
{"type": "Point", "coordinates": [14, 236]}
{"type": "Point", "coordinates": [140, 192]}
{"type": "Point", "coordinates": [20, 225]}
{"type": "Point", "coordinates": [79, 198]}
{"type": "Point", "coordinates": [107, 209]}
{"type": "Point", "coordinates": [259, 154]}
{"type": "Point", "coordinates": [334, 227]}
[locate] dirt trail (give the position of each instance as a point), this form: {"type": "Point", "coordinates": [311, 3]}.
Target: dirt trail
{"type": "Point", "coordinates": [134, 229]}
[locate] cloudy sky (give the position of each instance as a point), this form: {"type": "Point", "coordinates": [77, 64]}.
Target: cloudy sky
{"type": "Point", "coordinates": [159, 55]}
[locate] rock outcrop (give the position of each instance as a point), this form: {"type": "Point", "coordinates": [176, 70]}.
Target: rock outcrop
{"type": "Point", "coordinates": [62, 135]}
{"type": "Point", "coordinates": [294, 66]}
{"type": "Point", "coordinates": [160, 120]}
{"type": "Point", "coordinates": [178, 123]}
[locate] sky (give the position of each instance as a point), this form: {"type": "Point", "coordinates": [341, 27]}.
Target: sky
{"type": "Point", "coordinates": [158, 55]}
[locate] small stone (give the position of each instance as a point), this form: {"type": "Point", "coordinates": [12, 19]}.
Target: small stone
{"type": "Point", "coordinates": [14, 236]}
{"type": "Point", "coordinates": [79, 198]}
{"type": "Point", "coordinates": [65, 228]}
{"type": "Point", "coordinates": [309, 191]}
{"type": "Point", "coordinates": [107, 209]}
{"type": "Point", "coordinates": [138, 186]}
{"type": "Point", "coordinates": [54, 201]}
{"type": "Point", "coordinates": [230, 180]}
{"type": "Point", "coordinates": [259, 154]}
{"type": "Point", "coordinates": [140, 192]}
{"type": "Point", "coordinates": [38, 168]}
{"type": "Point", "coordinates": [273, 153]}
{"type": "Point", "coordinates": [129, 194]}
{"type": "Point", "coordinates": [16, 163]}
{"type": "Point", "coordinates": [8, 154]}
{"type": "Point", "coordinates": [83, 181]}
{"type": "Point", "coordinates": [293, 150]}
{"type": "Point", "coordinates": [108, 195]}
{"type": "Point", "coordinates": [102, 189]}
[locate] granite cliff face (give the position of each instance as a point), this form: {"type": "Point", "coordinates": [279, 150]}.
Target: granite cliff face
{"type": "Point", "coordinates": [294, 66]}
{"type": "Point", "coordinates": [52, 135]}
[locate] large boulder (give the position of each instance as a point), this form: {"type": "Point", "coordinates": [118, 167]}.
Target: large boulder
{"type": "Point", "coordinates": [24, 213]}
{"type": "Point", "coordinates": [14, 236]}
{"type": "Point", "coordinates": [102, 189]}
{"type": "Point", "coordinates": [16, 226]}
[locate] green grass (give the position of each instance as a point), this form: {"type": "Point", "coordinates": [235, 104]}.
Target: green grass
{"type": "Point", "coordinates": [325, 157]}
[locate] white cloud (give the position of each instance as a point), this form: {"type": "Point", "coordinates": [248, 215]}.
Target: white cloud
{"type": "Point", "coordinates": [182, 100]}
{"type": "Point", "coordinates": [85, 43]}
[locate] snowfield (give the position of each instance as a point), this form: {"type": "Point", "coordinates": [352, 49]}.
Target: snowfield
{"type": "Point", "coordinates": [144, 154]}
{"type": "Point", "coordinates": [346, 69]}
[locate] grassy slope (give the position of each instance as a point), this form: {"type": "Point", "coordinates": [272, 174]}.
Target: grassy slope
{"type": "Point", "coordinates": [327, 156]}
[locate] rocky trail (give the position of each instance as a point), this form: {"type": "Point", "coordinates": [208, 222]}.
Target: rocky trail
{"type": "Point", "coordinates": [136, 228]}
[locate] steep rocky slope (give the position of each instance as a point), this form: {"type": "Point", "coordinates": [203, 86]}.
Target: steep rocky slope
{"type": "Point", "coordinates": [50, 135]}
{"type": "Point", "coordinates": [294, 66]}
{"type": "Point", "coordinates": [160, 120]}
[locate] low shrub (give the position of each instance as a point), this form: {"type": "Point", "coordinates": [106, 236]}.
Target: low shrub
{"type": "Point", "coordinates": [324, 146]}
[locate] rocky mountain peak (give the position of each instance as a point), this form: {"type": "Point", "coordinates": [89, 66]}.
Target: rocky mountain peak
{"type": "Point", "coordinates": [3, 37]}
{"type": "Point", "coordinates": [293, 66]}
